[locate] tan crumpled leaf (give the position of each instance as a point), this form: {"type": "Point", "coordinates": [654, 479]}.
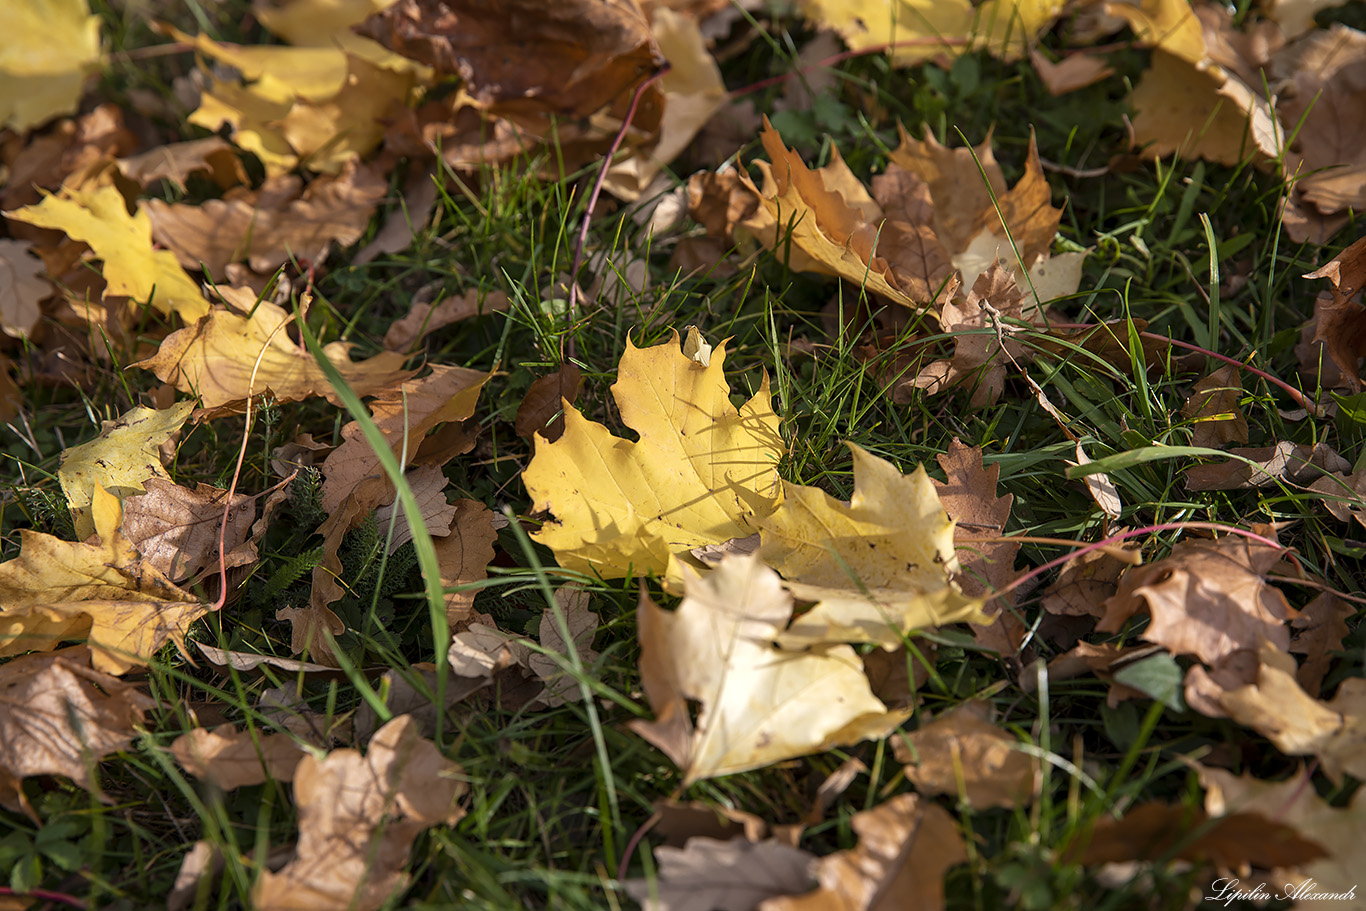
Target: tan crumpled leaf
{"type": "Point", "coordinates": [22, 289]}
{"type": "Point", "coordinates": [963, 754]}
{"type": "Point", "coordinates": [50, 47]}
{"type": "Point", "coordinates": [120, 459]}
{"type": "Point", "coordinates": [1213, 409]}
{"type": "Point", "coordinates": [1327, 162]}
{"type": "Point", "coordinates": [403, 413]}
{"type": "Point", "coordinates": [759, 704]}
{"type": "Point", "coordinates": [1084, 583]}
{"type": "Point", "coordinates": [702, 472]}
{"type": "Point", "coordinates": [529, 677]}
{"type": "Point", "coordinates": [1264, 466]}
{"type": "Point", "coordinates": [358, 818]}
{"type": "Point", "coordinates": [57, 590]}
{"type": "Point", "coordinates": [425, 319]}
{"type": "Point", "coordinates": [58, 717]}
{"type": "Point", "coordinates": [912, 31]}
{"type": "Point", "coordinates": [464, 554]}
{"type": "Point", "coordinates": [980, 326]}
{"type": "Point", "coordinates": [216, 357]}
{"type": "Point", "coordinates": [1339, 323]}
{"type": "Point", "coordinates": [1209, 598]}
{"type": "Point", "coordinates": [1299, 725]}
{"type": "Point", "coordinates": [99, 216]}
{"type": "Point", "coordinates": [906, 845]}
{"type": "Point", "coordinates": [269, 226]}
{"type": "Point", "coordinates": [230, 758]}
{"type": "Point", "coordinates": [176, 161]}
{"type": "Point", "coordinates": [1296, 803]}
{"type": "Point", "coordinates": [429, 489]}
{"type": "Point", "coordinates": [1344, 496]}
{"type": "Point", "coordinates": [733, 875]}
{"type": "Point", "coordinates": [560, 687]}
{"type": "Point", "coordinates": [964, 206]}
{"type": "Point", "coordinates": [878, 566]}
{"type": "Point", "coordinates": [177, 530]}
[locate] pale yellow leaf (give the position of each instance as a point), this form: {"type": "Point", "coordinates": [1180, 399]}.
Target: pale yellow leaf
{"type": "Point", "coordinates": [879, 565]}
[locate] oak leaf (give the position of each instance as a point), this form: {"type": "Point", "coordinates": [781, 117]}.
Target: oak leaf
{"type": "Point", "coordinates": [1320, 628]}
{"type": "Point", "coordinates": [702, 472]}
{"type": "Point", "coordinates": [906, 845]}
{"type": "Point", "coordinates": [732, 875]}
{"type": "Point", "coordinates": [358, 818]}
{"type": "Point", "coordinates": [1207, 598]}
{"type": "Point", "coordinates": [58, 717]}
{"type": "Point", "coordinates": [50, 47]}
{"type": "Point", "coordinates": [759, 704]}
{"type": "Point", "coordinates": [56, 590]}
{"type": "Point", "coordinates": [878, 566]}
{"type": "Point", "coordinates": [226, 357]}
{"type": "Point", "coordinates": [1338, 328]}
{"type": "Point", "coordinates": [99, 216]}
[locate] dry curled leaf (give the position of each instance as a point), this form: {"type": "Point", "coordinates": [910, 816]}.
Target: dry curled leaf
{"type": "Point", "coordinates": [358, 818]}
{"type": "Point", "coordinates": [226, 357]}
{"type": "Point", "coordinates": [906, 845]}
{"type": "Point", "coordinates": [733, 875]}
{"type": "Point", "coordinates": [1208, 598]}
{"type": "Point", "coordinates": [230, 758]}
{"type": "Point", "coordinates": [58, 717]}
{"type": "Point", "coordinates": [1213, 409]}
{"type": "Point", "coordinates": [963, 754]}
{"type": "Point", "coordinates": [542, 409]}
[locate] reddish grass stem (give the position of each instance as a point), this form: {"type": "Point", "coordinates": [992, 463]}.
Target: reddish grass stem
{"type": "Point", "coordinates": [45, 895]}
{"type": "Point", "coordinates": [572, 307]}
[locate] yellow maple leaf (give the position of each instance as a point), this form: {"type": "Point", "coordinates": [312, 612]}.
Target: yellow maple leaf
{"type": "Point", "coordinates": [917, 30]}
{"type": "Point", "coordinates": [99, 216]}
{"type": "Point", "coordinates": [760, 704]}
{"type": "Point", "coordinates": [100, 590]}
{"type": "Point", "coordinates": [702, 472]}
{"type": "Point", "coordinates": [119, 460]}
{"type": "Point", "coordinates": [879, 565]}
{"type": "Point", "coordinates": [321, 103]}
{"type": "Point", "coordinates": [49, 48]}
{"type": "Point", "coordinates": [227, 357]}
